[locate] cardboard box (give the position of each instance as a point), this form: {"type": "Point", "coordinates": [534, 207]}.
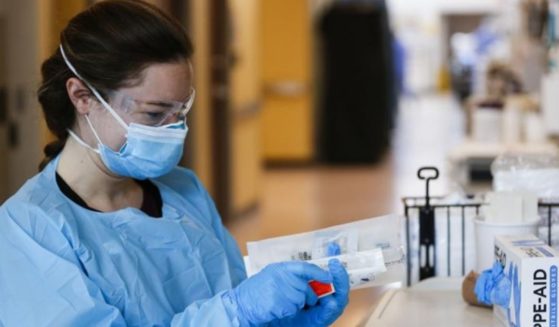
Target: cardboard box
{"type": "Point", "coordinates": [532, 266]}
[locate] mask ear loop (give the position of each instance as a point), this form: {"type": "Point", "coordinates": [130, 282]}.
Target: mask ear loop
{"type": "Point", "coordinates": [93, 129]}
{"type": "Point", "coordinates": [81, 142]}
{"type": "Point", "coordinates": [97, 95]}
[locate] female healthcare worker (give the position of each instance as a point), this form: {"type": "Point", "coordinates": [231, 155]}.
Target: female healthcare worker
{"type": "Point", "coordinates": [111, 232]}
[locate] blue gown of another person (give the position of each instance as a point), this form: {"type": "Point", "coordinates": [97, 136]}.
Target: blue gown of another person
{"type": "Point", "coordinates": [64, 265]}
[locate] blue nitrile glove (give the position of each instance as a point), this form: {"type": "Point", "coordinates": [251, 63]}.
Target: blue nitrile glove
{"type": "Point", "coordinates": [328, 308]}
{"type": "Point", "coordinates": [333, 249]}
{"type": "Point", "coordinates": [493, 287]}
{"type": "Point", "coordinates": [276, 292]}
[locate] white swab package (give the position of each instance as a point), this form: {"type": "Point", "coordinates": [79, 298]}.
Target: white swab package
{"type": "Point", "coordinates": [370, 249]}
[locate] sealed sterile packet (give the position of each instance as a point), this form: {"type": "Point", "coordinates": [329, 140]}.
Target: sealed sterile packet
{"type": "Point", "coordinates": [370, 249]}
{"type": "Point", "coordinates": [331, 243]}
{"type": "Point", "coordinates": [362, 267]}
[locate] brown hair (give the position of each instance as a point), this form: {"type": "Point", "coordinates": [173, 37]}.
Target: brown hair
{"type": "Point", "coordinates": [109, 44]}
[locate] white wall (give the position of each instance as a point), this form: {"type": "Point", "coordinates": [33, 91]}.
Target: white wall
{"type": "Point", "coordinates": [419, 26]}
{"type": "Point", "coordinates": [432, 8]}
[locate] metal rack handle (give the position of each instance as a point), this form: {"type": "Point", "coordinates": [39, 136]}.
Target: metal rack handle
{"type": "Point", "coordinates": [427, 180]}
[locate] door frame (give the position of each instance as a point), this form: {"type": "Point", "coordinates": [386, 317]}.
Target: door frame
{"type": "Point", "coordinates": [220, 125]}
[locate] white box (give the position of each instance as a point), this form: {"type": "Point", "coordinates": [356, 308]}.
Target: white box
{"type": "Point", "coordinates": [532, 266]}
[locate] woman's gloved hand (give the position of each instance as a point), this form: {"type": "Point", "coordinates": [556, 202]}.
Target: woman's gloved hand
{"type": "Point", "coordinates": [328, 308]}
{"type": "Point", "coordinates": [280, 290]}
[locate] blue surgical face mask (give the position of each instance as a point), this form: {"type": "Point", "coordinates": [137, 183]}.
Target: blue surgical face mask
{"type": "Point", "coordinates": [148, 151]}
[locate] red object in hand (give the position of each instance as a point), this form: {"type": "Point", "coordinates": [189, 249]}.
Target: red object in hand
{"type": "Point", "coordinates": [322, 289]}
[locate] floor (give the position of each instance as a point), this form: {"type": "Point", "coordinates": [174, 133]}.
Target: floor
{"type": "Point", "coordinates": [302, 199]}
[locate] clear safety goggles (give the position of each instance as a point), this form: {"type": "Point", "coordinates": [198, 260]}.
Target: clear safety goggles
{"type": "Point", "coordinates": [152, 112]}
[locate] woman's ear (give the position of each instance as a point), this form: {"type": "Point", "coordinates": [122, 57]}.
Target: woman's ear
{"type": "Point", "coordinates": [79, 94]}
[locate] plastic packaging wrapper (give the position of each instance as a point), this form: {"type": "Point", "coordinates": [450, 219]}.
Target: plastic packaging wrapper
{"type": "Point", "coordinates": [370, 249]}
{"type": "Point", "coordinates": [538, 174]}
{"type": "Point", "coordinates": [363, 267]}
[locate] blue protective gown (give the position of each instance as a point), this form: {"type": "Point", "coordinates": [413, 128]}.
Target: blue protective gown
{"type": "Point", "coordinates": [64, 265]}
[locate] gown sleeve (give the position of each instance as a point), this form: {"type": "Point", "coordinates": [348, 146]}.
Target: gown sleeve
{"type": "Point", "coordinates": [217, 311]}
{"type": "Point", "coordinates": [42, 282]}
{"type": "Point", "coordinates": [187, 184]}
{"type": "Point", "coordinates": [236, 263]}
